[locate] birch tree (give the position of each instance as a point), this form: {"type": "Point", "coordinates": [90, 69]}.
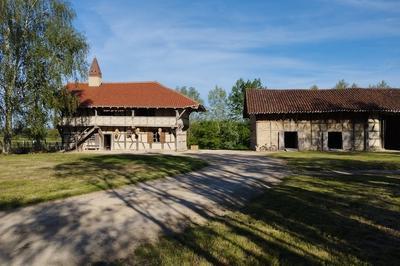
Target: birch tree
{"type": "Point", "coordinates": [39, 50]}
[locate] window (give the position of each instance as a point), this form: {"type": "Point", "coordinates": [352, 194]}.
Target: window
{"type": "Point", "coordinates": [291, 140]}
{"type": "Point", "coordinates": [335, 140]}
{"type": "Point", "coordinates": [156, 137]}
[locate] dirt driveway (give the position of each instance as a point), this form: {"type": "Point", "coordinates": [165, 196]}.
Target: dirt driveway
{"type": "Point", "coordinates": [107, 225]}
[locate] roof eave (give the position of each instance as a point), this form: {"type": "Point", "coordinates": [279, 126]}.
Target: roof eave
{"type": "Point", "coordinates": [322, 112]}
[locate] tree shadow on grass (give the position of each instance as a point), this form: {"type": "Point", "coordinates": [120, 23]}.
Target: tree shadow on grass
{"type": "Point", "coordinates": [99, 172]}
{"type": "Point", "coordinates": [350, 161]}
{"type": "Point", "coordinates": [317, 219]}
{"type": "Point", "coordinates": [126, 168]}
{"type": "Point", "coordinates": [106, 227]}
{"type": "Point", "coordinates": [324, 218]}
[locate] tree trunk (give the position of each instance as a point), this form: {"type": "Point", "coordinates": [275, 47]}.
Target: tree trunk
{"type": "Point", "coordinates": [9, 77]}
{"type": "Point", "coordinates": [8, 121]}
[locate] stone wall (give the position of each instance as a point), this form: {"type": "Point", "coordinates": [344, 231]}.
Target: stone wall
{"type": "Point", "coordinates": [313, 134]}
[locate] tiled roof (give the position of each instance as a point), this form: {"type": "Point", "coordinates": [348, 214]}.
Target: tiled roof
{"type": "Point", "coordinates": [268, 101]}
{"type": "Point", "coordinates": [132, 94]}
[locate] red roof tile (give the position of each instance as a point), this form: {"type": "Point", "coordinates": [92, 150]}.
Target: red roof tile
{"type": "Point", "coordinates": [133, 94]}
{"type": "Point", "coordinates": [268, 101]}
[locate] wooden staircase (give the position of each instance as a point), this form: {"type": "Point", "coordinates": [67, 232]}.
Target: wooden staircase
{"type": "Point", "coordinates": [81, 137]}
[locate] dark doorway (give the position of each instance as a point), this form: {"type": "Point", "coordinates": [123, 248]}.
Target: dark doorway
{"type": "Point", "coordinates": [291, 140]}
{"type": "Point", "coordinates": [335, 140]}
{"type": "Point", "coordinates": [107, 141]}
{"type": "Point", "coordinates": [392, 133]}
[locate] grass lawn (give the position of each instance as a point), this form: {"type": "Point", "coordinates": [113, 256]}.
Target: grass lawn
{"type": "Point", "coordinates": [32, 178]}
{"type": "Point", "coordinates": [324, 213]}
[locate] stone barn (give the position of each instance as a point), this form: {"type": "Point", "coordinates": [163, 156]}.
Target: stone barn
{"type": "Point", "coordinates": [349, 119]}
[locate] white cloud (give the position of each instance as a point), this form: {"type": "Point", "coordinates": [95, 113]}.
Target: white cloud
{"type": "Point", "coordinates": [174, 50]}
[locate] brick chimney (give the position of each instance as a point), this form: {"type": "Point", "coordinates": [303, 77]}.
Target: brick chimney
{"type": "Point", "coordinates": [95, 78]}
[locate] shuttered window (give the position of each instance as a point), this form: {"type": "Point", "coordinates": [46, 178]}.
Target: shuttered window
{"type": "Point", "coordinates": [149, 137]}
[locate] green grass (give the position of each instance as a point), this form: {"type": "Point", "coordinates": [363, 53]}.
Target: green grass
{"type": "Point", "coordinates": [324, 213]}
{"type": "Point", "coordinates": [33, 178]}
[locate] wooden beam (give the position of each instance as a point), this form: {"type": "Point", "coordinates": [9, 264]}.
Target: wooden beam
{"type": "Point", "coordinates": [179, 115]}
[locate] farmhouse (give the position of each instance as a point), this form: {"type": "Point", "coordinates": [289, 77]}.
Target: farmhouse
{"type": "Point", "coordinates": [126, 116]}
{"type": "Point", "coordinates": [350, 119]}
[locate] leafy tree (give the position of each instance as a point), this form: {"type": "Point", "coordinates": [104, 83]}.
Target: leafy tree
{"type": "Point", "coordinates": [217, 99]}
{"type": "Point", "coordinates": [354, 86]}
{"type": "Point", "coordinates": [381, 85]}
{"type": "Point", "coordinates": [215, 134]}
{"type": "Point", "coordinates": [206, 134]}
{"type": "Point", "coordinates": [314, 87]}
{"type": "Point", "coordinates": [342, 84]}
{"type": "Point", "coordinates": [193, 94]}
{"type": "Point", "coordinates": [190, 92]}
{"type": "Point", "coordinates": [39, 50]}
{"type": "Point", "coordinates": [236, 97]}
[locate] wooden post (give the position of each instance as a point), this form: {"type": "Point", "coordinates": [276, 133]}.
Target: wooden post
{"type": "Point", "coordinates": [162, 139]}
{"type": "Point", "coordinates": [137, 140]}
{"type": "Point", "coordinates": [150, 139]}
{"type": "Point", "coordinates": [95, 116]}
{"type": "Point", "coordinates": [125, 136]}
{"type": "Point", "coordinates": [133, 118]}
{"type": "Point", "coordinates": [176, 139]}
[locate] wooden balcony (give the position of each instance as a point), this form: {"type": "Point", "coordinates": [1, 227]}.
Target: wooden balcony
{"type": "Point", "coordinates": [123, 121]}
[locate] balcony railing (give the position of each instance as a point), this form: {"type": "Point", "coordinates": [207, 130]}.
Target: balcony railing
{"type": "Point", "coordinates": [125, 121]}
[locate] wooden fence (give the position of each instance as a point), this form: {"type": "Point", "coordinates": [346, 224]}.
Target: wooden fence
{"type": "Point", "coordinates": [26, 146]}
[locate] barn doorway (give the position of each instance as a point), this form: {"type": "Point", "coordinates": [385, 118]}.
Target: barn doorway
{"type": "Point", "coordinates": [392, 133]}
{"type": "Point", "coordinates": [291, 140]}
{"type": "Point", "coordinates": [107, 141]}
{"type": "Point", "coordinates": [335, 140]}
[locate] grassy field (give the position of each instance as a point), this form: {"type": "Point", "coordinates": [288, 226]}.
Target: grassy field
{"type": "Point", "coordinates": [32, 178]}
{"type": "Point", "coordinates": [329, 211]}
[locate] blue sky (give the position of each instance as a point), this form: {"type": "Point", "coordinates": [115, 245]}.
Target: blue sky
{"type": "Point", "coordinates": [288, 44]}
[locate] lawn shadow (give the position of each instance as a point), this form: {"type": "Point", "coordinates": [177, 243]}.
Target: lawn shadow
{"type": "Point", "coordinates": [104, 170]}
{"type": "Point", "coordinates": [82, 174]}
{"type": "Point", "coordinates": [103, 228]}
{"type": "Point", "coordinates": [324, 217]}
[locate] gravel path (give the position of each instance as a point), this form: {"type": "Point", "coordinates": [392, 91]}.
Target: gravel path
{"type": "Point", "coordinates": [107, 225]}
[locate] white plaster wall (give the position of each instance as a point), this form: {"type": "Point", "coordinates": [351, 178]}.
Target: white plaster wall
{"type": "Point", "coordinates": [374, 137]}
{"type": "Point", "coordinates": [94, 81]}
{"type": "Point", "coordinates": [359, 136]}
{"type": "Point", "coordinates": [181, 139]}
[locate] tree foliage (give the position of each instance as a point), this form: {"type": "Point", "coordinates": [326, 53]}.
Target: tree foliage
{"type": "Point", "coordinates": [236, 96]}
{"type": "Point", "coordinates": [220, 134]}
{"type": "Point", "coordinates": [217, 107]}
{"type": "Point", "coordinates": [223, 126]}
{"type": "Point", "coordinates": [39, 50]}
{"type": "Point", "coordinates": [314, 87]}
{"type": "Point", "coordinates": [354, 86]}
{"type": "Point", "coordinates": [381, 85]}
{"type": "Point", "coordinates": [341, 85]}
{"type": "Point", "coordinates": [190, 92]}
{"type": "Point", "coordinates": [193, 94]}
